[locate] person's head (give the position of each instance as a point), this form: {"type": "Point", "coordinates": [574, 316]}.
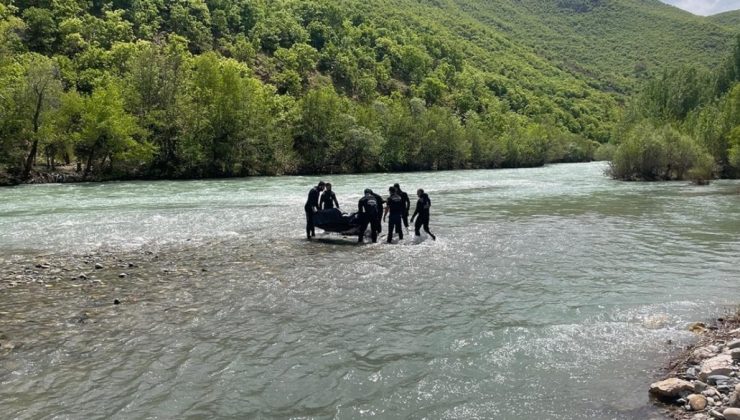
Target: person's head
{"type": "Point", "coordinates": [328, 186]}
{"type": "Point", "coordinates": [321, 185]}
{"type": "Point", "coordinates": [392, 190]}
{"type": "Point", "coordinates": [368, 191]}
{"type": "Point", "coordinates": [419, 192]}
{"type": "Point", "coordinates": [397, 187]}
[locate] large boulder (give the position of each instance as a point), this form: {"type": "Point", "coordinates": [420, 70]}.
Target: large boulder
{"type": "Point", "coordinates": [717, 365]}
{"type": "Point", "coordinates": [671, 389]}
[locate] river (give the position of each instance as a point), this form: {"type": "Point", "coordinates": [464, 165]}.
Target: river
{"type": "Point", "coordinates": [551, 292]}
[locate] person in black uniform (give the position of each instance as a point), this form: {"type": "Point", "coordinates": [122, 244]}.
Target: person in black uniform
{"type": "Point", "coordinates": [380, 210]}
{"type": "Point", "coordinates": [406, 204]}
{"type": "Point", "coordinates": [328, 198]}
{"type": "Point", "coordinates": [422, 210]}
{"type": "Point", "coordinates": [395, 208]}
{"type": "Point", "coordinates": [367, 209]}
{"type": "Point", "coordinates": [311, 207]}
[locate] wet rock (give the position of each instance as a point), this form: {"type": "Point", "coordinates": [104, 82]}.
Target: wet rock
{"type": "Point", "coordinates": [735, 353]}
{"type": "Point", "coordinates": [82, 276]}
{"type": "Point", "coordinates": [691, 372]}
{"type": "Point", "coordinates": [716, 414]}
{"type": "Point", "coordinates": [717, 365]}
{"type": "Point", "coordinates": [732, 413]}
{"type": "Point", "coordinates": [697, 327]}
{"type": "Point", "coordinates": [697, 402]}
{"type": "Point", "coordinates": [734, 400]}
{"type": "Point", "coordinates": [710, 392]}
{"type": "Point", "coordinates": [131, 265]}
{"type": "Point", "coordinates": [717, 379]}
{"type": "Point", "coordinates": [116, 302]}
{"type": "Point", "coordinates": [98, 266]}
{"type": "Point", "coordinates": [122, 275]}
{"type": "Point", "coordinates": [699, 386]}
{"type": "Point", "coordinates": [671, 389]}
{"type": "Point", "coordinates": [734, 344]}
{"type": "Point", "coordinates": [43, 266]}
{"type": "Point", "coordinates": [704, 353]}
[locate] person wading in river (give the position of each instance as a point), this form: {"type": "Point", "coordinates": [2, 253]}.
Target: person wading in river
{"type": "Point", "coordinates": [311, 207]}
{"type": "Point", "coordinates": [406, 204]}
{"type": "Point", "coordinates": [367, 209]}
{"type": "Point", "coordinates": [328, 198]}
{"type": "Point", "coordinates": [395, 208]}
{"type": "Point", "coordinates": [422, 210]}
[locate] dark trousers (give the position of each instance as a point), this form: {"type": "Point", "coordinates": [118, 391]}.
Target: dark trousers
{"type": "Point", "coordinates": [374, 228]}
{"type": "Point", "coordinates": [394, 223]}
{"type": "Point", "coordinates": [423, 221]}
{"type": "Point", "coordinates": [406, 219]}
{"type": "Point", "coordinates": [310, 230]}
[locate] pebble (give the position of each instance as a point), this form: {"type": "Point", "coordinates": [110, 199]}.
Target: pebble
{"type": "Point", "coordinates": [123, 275]}
{"type": "Point", "coordinates": [700, 386]}
{"type": "Point", "coordinates": [98, 266]}
{"type": "Point", "coordinates": [716, 414]}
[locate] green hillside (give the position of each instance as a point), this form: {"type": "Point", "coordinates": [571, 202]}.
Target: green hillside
{"type": "Point", "coordinates": [617, 43]}
{"type": "Point", "coordinates": [728, 19]}
{"type": "Point", "coordinates": [190, 88]}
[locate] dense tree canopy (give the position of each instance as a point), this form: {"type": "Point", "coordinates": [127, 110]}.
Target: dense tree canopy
{"type": "Point", "coordinates": [192, 88]}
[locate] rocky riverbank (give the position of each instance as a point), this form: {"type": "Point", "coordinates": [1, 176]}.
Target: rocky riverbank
{"type": "Point", "coordinates": [703, 382]}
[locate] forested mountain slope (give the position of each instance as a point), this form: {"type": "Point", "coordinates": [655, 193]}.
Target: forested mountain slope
{"type": "Point", "coordinates": [729, 19]}
{"type": "Point", "coordinates": [617, 43]}
{"type": "Point", "coordinates": [238, 87]}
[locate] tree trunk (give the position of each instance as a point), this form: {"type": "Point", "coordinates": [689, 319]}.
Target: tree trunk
{"type": "Point", "coordinates": [30, 159]}
{"type": "Point", "coordinates": [35, 144]}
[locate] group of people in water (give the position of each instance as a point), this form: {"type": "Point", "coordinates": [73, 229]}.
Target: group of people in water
{"type": "Point", "coordinates": [372, 209]}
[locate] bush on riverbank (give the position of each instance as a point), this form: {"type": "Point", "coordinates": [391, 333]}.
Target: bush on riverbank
{"type": "Point", "coordinates": [684, 125]}
{"type": "Point", "coordinates": [651, 154]}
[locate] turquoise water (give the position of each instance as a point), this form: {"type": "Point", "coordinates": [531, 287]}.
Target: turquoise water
{"type": "Point", "coordinates": [550, 293]}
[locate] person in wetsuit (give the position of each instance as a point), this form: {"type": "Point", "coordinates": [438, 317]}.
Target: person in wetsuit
{"type": "Point", "coordinates": [395, 208]}
{"type": "Point", "coordinates": [368, 210]}
{"type": "Point", "coordinates": [328, 198]}
{"type": "Point", "coordinates": [422, 210]}
{"type": "Point", "coordinates": [380, 210]}
{"type": "Point", "coordinates": [311, 207]}
{"type": "Point", "coordinates": [406, 204]}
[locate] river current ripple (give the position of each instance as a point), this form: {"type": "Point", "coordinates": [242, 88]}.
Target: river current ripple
{"type": "Point", "coordinates": [551, 293]}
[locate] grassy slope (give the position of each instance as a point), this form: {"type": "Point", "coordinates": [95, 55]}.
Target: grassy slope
{"type": "Point", "coordinates": [729, 19]}
{"type": "Point", "coordinates": [615, 43]}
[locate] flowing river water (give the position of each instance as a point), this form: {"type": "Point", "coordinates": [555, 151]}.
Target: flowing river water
{"type": "Point", "coordinates": [552, 292]}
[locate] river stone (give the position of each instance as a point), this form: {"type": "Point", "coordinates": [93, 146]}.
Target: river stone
{"type": "Point", "coordinates": [734, 400]}
{"type": "Point", "coordinates": [703, 353]}
{"type": "Point", "coordinates": [697, 402]}
{"type": "Point", "coordinates": [735, 353]}
{"type": "Point", "coordinates": [98, 266]}
{"type": "Point", "coordinates": [732, 413]}
{"type": "Point", "coordinates": [700, 386]}
{"type": "Point", "coordinates": [717, 365]}
{"type": "Point", "coordinates": [717, 379]}
{"type": "Point", "coordinates": [734, 344]}
{"type": "Point", "coordinates": [671, 388]}
{"type": "Point", "coordinates": [716, 414]}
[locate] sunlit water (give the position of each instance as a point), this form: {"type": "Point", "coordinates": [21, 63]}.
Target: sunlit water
{"type": "Point", "coordinates": [550, 293]}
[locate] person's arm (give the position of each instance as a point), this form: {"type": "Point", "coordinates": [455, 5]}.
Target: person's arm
{"type": "Point", "coordinates": [385, 212]}
{"type": "Point", "coordinates": [359, 206]}
{"type": "Point", "coordinates": [416, 211]}
{"type": "Point", "coordinates": [334, 197]}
